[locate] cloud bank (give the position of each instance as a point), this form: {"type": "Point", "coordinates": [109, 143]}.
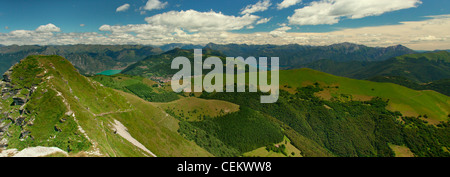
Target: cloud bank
{"type": "Point", "coordinates": [203, 27]}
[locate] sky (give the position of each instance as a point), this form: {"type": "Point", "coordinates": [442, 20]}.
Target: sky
{"type": "Point", "coordinates": [418, 24]}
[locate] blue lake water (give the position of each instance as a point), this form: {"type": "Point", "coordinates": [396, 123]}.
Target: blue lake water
{"type": "Point", "coordinates": [109, 72]}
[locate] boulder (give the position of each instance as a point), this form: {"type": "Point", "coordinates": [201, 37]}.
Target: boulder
{"type": "Point", "coordinates": [24, 134]}
{"type": "Point", "coordinates": [4, 127]}
{"type": "Point", "coordinates": [7, 76]}
{"type": "Point", "coordinates": [4, 143]}
{"type": "Point", "coordinates": [20, 121]}
{"type": "Point", "coordinates": [57, 129]}
{"type": "Point", "coordinates": [21, 100]}
{"type": "Point", "coordinates": [5, 90]}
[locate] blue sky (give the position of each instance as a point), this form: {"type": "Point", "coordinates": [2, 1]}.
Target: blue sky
{"type": "Point", "coordinates": [68, 16]}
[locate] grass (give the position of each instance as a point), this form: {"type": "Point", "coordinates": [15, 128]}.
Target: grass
{"type": "Point", "coordinates": [156, 130]}
{"type": "Point", "coordinates": [196, 109]}
{"type": "Point", "coordinates": [409, 102]}
{"type": "Point", "coordinates": [142, 87]}
{"type": "Point", "coordinates": [401, 151]}
{"type": "Point", "coordinates": [262, 152]}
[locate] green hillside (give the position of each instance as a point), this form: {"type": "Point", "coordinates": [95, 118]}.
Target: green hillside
{"type": "Point", "coordinates": [196, 109]}
{"type": "Point", "coordinates": [142, 87]}
{"type": "Point", "coordinates": [422, 68]}
{"type": "Point", "coordinates": [409, 102]}
{"type": "Point", "coordinates": [342, 125]}
{"type": "Point", "coordinates": [419, 68]}
{"type": "Point", "coordinates": [48, 103]}
{"type": "Point", "coordinates": [440, 86]}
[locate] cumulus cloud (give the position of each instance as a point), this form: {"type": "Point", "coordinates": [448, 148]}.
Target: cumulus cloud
{"type": "Point", "coordinates": [279, 32]}
{"type": "Point", "coordinates": [263, 20]}
{"type": "Point", "coordinates": [258, 7]}
{"type": "Point", "coordinates": [123, 8]}
{"type": "Point", "coordinates": [287, 3]}
{"type": "Point", "coordinates": [194, 21]}
{"type": "Point", "coordinates": [154, 5]}
{"type": "Point", "coordinates": [332, 11]}
{"type": "Point", "coordinates": [48, 28]}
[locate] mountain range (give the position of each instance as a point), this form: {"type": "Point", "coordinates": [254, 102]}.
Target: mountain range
{"type": "Point", "coordinates": [89, 59]}
{"type": "Point", "coordinates": [294, 55]}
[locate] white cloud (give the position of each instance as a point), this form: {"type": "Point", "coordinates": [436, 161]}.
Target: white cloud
{"type": "Point", "coordinates": [258, 7]}
{"type": "Point", "coordinates": [154, 5]}
{"type": "Point", "coordinates": [287, 3]}
{"type": "Point", "coordinates": [48, 28]}
{"type": "Point", "coordinates": [194, 21]}
{"type": "Point", "coordinates": [263, 20]}
{"type": "Point", "coordinates": [82, 25]}
{"type": "Point", "coordinates": [279, 32]}
{"type": "Point", "coordinates": [123, 8]}
{"type": "Point", "coordinates": [332, 11]}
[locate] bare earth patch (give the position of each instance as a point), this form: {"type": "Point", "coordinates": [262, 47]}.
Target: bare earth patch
{"type": "Point", "coordinates": [123, 131]}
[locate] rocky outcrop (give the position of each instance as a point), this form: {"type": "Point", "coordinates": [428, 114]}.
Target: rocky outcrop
{"type": "Point", "coordinates": [7, 76]}
{"type": "Point", "coordinates": [12, 114]}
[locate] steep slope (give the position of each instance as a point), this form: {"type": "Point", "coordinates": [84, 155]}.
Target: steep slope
{"type": "Point", "coordinates": [46, 102]}
{"type": "Point", "coordinates": [87, 58]}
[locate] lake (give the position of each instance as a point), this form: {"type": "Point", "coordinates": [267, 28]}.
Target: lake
{"type": "Point", "coordinates": [109, 72]}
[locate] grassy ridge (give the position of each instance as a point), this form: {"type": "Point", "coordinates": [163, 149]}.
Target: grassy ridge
{"type": "Point", "coordinates": [409, 102]}
{"type": "Point", "coordinates": [93, 108]}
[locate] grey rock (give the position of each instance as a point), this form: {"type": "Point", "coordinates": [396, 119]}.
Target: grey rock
{"type": "Point", "coordinates": [19, 101]}
{"type": "Point", "coordinates": [7, 76]}
{"type": "Point", "coordinates": [5, 90]}
{"type": "Point", "coordinates": [24, 134]}
{"type": "Point", "coordinates": [20, 121]}
{"type": "Point", "coordinates": [57, 129]}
